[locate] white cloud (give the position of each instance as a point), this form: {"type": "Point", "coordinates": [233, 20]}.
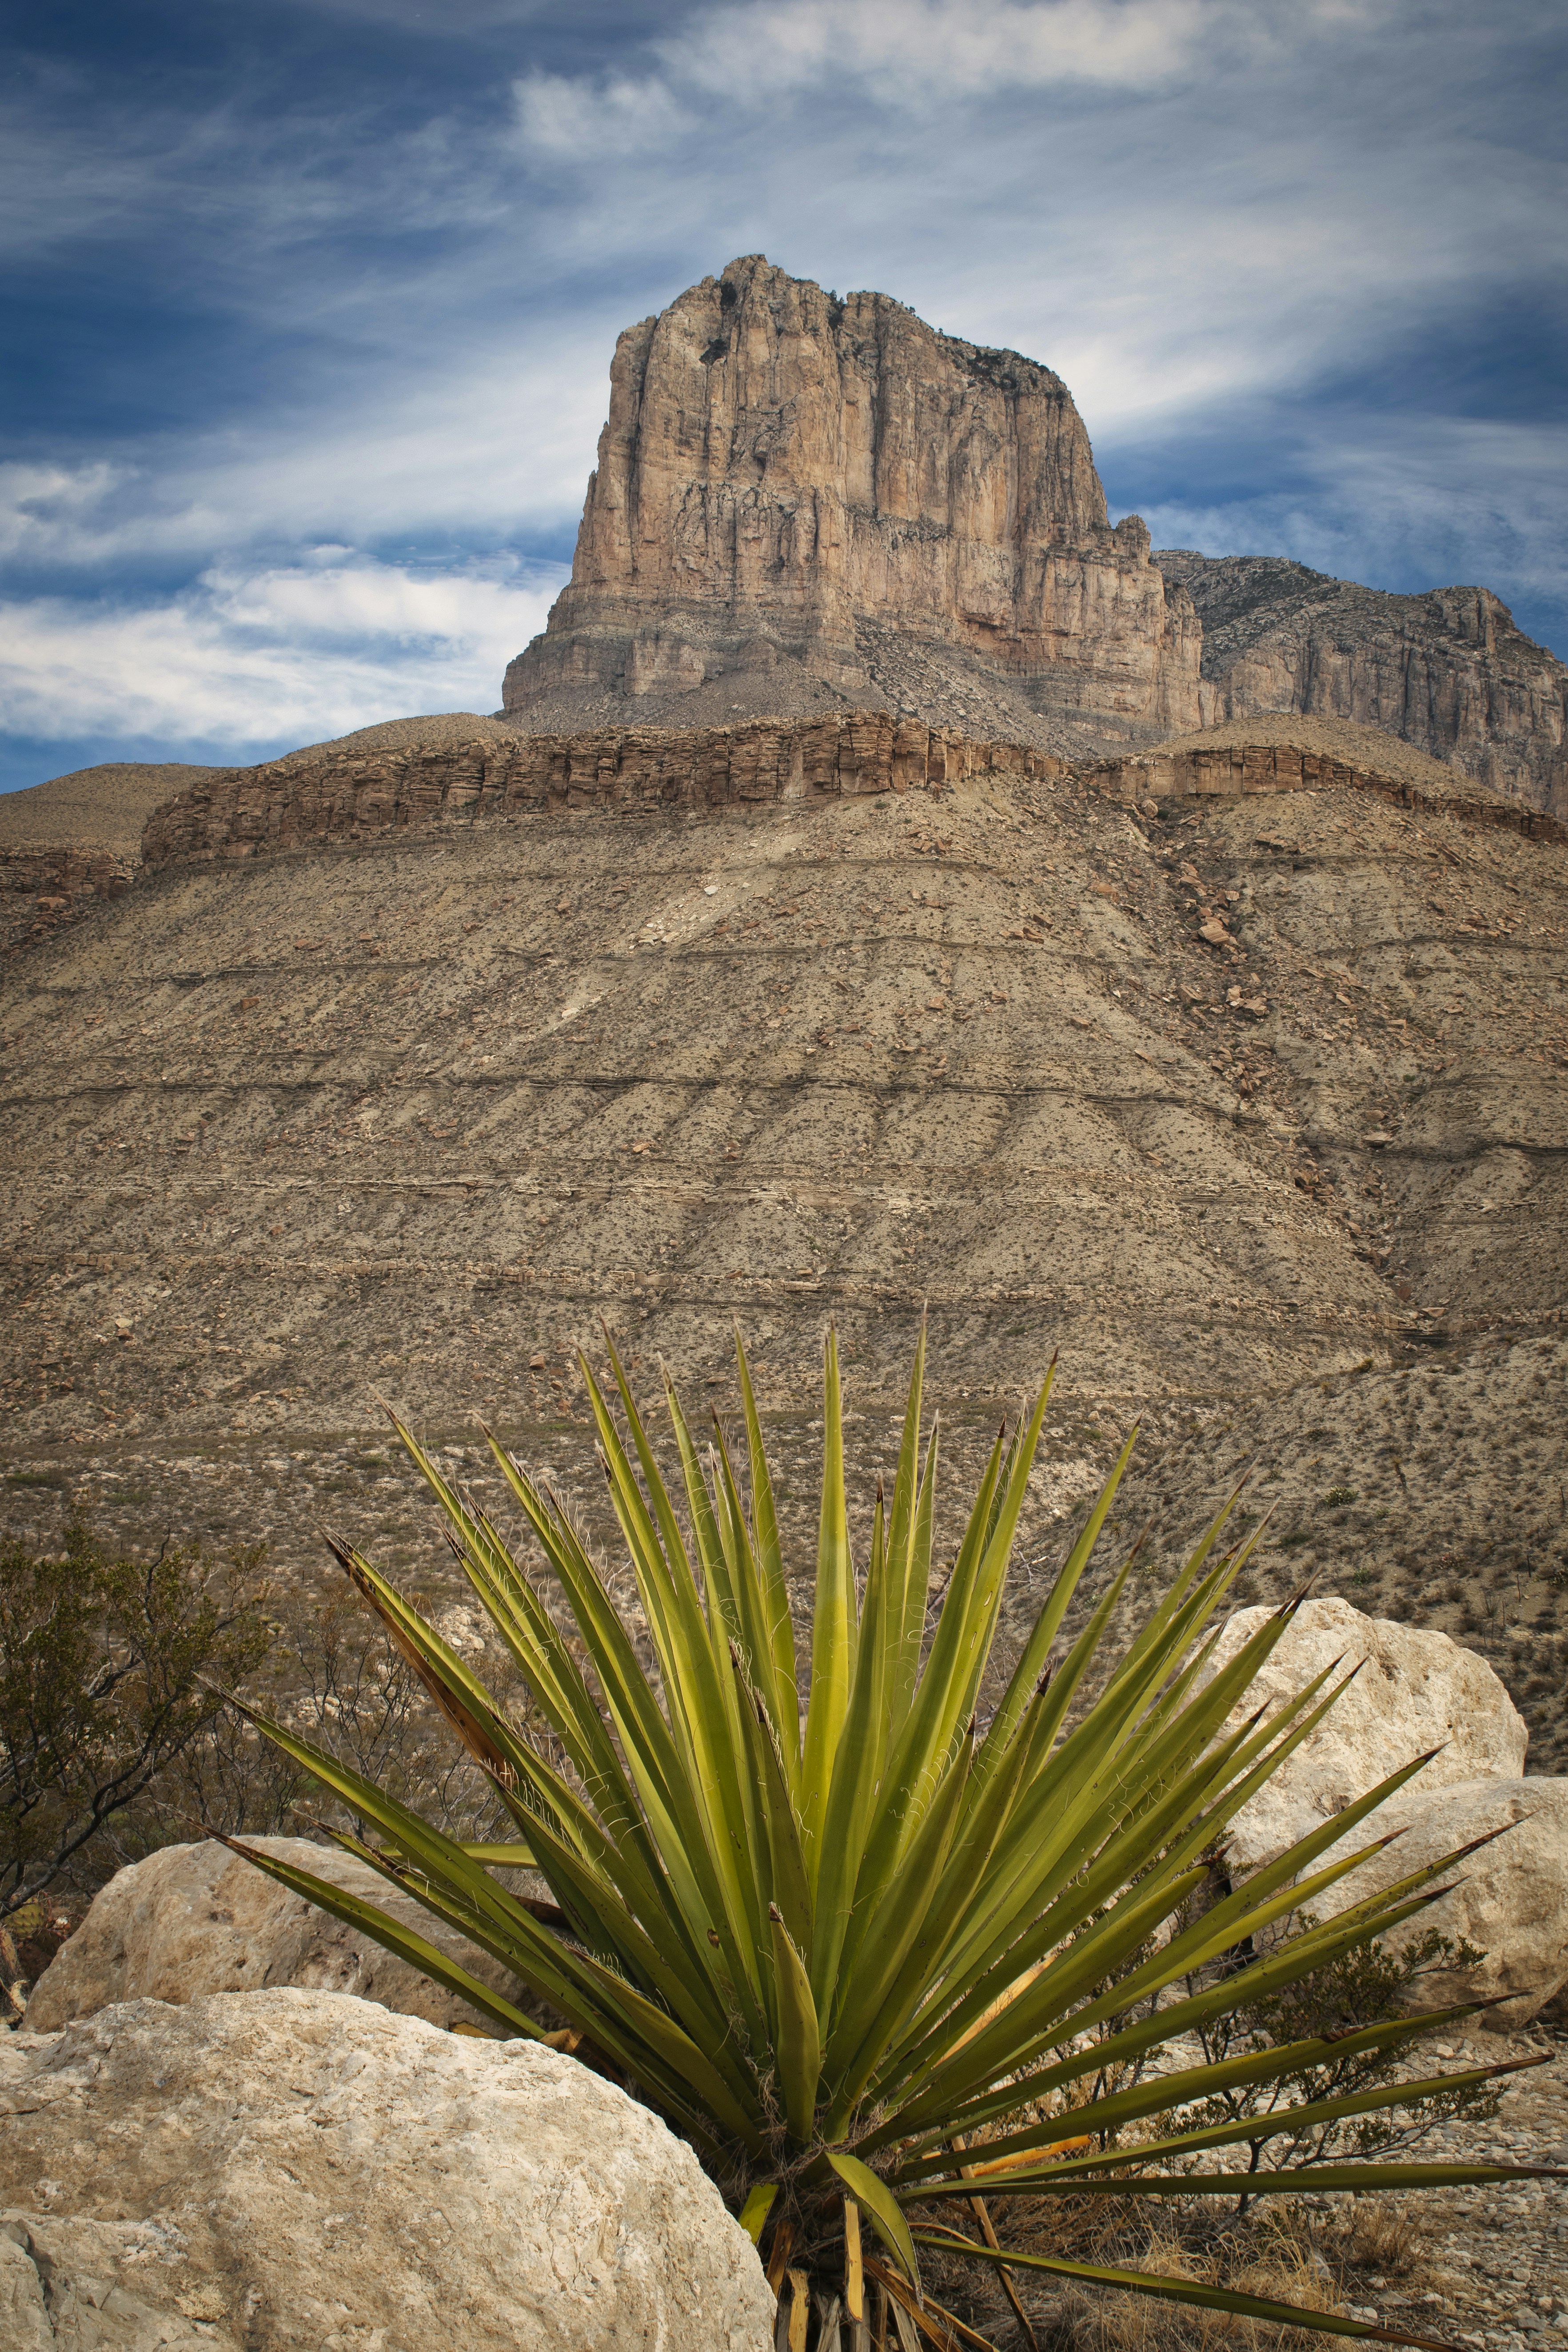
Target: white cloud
{"type": "Point", "coordinates": [925, 50]}
{"type": "Point", "coordinates": [568, 118]}
{"type": "Point", "coordinates": [290, 653]}
{"type": "Point", "coordinates": [895, 53]}
{"type": "Point", "coordinates": [46, 508]}
{"type": "Point", "coordinates": [1173, 203]}
{"type": "Point", "coordinates": [498, 438]}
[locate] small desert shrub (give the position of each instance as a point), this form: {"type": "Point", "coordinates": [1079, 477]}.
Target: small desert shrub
{"type": "Point", "coordinates": [342, 1683]}
{"type": "Point", "coordinates": [108, 1671]}
{"type": "Point", "coordinates": [1329, 2009]}
{"type": "Point", "coordinates": [116, 1738]}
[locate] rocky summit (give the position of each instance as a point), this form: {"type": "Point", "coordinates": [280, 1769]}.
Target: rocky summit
{"type": "Point", "coordinates": [801, 501]}
{"type": "Point", "coordinates": [803, 504]}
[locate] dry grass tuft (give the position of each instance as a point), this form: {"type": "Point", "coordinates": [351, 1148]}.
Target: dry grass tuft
{"type": "Point", "coordinates": [1276, 2253]}
{"type": "Point", "coordinates": [1382, 2234]}
{"type": "Point", "coordinates": [1274, 2264]}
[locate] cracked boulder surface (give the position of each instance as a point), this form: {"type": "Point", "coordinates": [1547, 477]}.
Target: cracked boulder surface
{"type": "Point", "coordinates": [1219, 1104]}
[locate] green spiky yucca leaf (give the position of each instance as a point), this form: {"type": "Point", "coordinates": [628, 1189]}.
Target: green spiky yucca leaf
{"type": "Point", "coordinates": [833, 1943]}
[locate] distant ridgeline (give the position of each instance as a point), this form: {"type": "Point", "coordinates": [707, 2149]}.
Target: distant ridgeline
{"type": "Point", "coordinates": [1447, 671]}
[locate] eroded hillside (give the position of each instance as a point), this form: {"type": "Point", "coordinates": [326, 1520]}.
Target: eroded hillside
{"type": "Point", "coordinates": [404, 1119]}
{"type": "Point", "coordinates": [1447, 671]}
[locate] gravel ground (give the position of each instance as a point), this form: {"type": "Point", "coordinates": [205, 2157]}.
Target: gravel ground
{"type": "Point", "coordinates": [1486, 2266]}
{"type": "Point", "coordinates": [434, 731]}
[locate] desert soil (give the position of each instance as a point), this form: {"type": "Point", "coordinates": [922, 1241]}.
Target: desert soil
{"type": "Point", "coordinates": [404, 1118]}
{"type": "Point", "coordinates": [103, 808]}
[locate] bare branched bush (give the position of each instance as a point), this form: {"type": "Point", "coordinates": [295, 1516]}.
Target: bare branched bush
{"type": "Point", "coordinates": [112, 1671]}
{"type": "Point", "coordinates": [118, 1736]}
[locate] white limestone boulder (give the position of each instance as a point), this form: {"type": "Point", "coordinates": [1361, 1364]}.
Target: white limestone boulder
{"type": "Point", "coordinates": [296, 2168]}
{"type": "Point", "coordinates": [195, 1919]}
{"type": "Point", "coordinates": [1415, 1690]}
{"type": "Point", "coordinates": [1510, 1898]}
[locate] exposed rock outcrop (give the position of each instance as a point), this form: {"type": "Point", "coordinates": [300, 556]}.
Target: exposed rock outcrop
{"type": "Point", "coordinates": [624, 771]}
{"type": "Point", "coordinates": [286, 2168]}
{"type": "Point", "coordinates": [1415, 1690]}
{"type": "Point", "coordinates": [1233, 772]}
{"type": "Point", "coordinates": [195, 1919]}
{"type": "Point", "coordinates": [781, 470]}
{"type": "Point", "coordinates": [345, 794]}
{"type": "Point", "coordinates": [1447, 670]}
{"type": "Point", "coordinates": [42, 888]}
{"type": "Point", "coordinates": [96, 813]}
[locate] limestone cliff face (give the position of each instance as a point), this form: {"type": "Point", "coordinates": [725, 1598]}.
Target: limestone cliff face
{"type": "Point", "coordinates": [1447, 671]}
{"type": "Point", "coordinates": [781, 470]}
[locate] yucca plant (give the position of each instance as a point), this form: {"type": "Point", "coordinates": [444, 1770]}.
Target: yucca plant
{"type": "Point", "coordinates": [879, 1953]}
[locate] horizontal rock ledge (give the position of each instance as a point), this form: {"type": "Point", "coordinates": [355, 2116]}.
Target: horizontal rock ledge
{"type": "Point", "coordinates": [301, 803]}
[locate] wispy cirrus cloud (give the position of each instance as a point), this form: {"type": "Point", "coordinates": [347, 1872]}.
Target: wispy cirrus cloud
{"type": "Point", "coordinates": [899, 53]}
{"type": "Point", "coordinates": [266, 657]}
{"type": "Point", "coordinates": [351, 272]}
{"type": "Point", "coordinates": [938, 50]}
{"type": "Point", "coordinates": [570, 118]}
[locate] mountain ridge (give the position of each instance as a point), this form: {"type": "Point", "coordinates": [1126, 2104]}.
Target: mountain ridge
{"type": "Point", "coordinates": [1445, 669]}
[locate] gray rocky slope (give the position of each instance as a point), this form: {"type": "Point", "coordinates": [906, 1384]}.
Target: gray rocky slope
{"type": "Point", "coordinates": [1446, 670]}
{"type": "Point", "coordinates": [405, 1118]}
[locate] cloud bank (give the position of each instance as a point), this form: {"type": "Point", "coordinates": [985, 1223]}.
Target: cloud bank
{"type": "Point", "coordinates": [346, 275]}
{"type": "Point", "coordinates": [273, 657]}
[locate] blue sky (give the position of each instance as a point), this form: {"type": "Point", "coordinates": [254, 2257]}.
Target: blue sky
{"type": "Point", "coordinates": [310, 302]}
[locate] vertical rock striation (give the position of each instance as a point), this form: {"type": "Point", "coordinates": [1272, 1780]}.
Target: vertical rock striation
{"type": "Point", "coordinates": [783, 473]}
{"type": "Point", "coordinates": [1447, 671]}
